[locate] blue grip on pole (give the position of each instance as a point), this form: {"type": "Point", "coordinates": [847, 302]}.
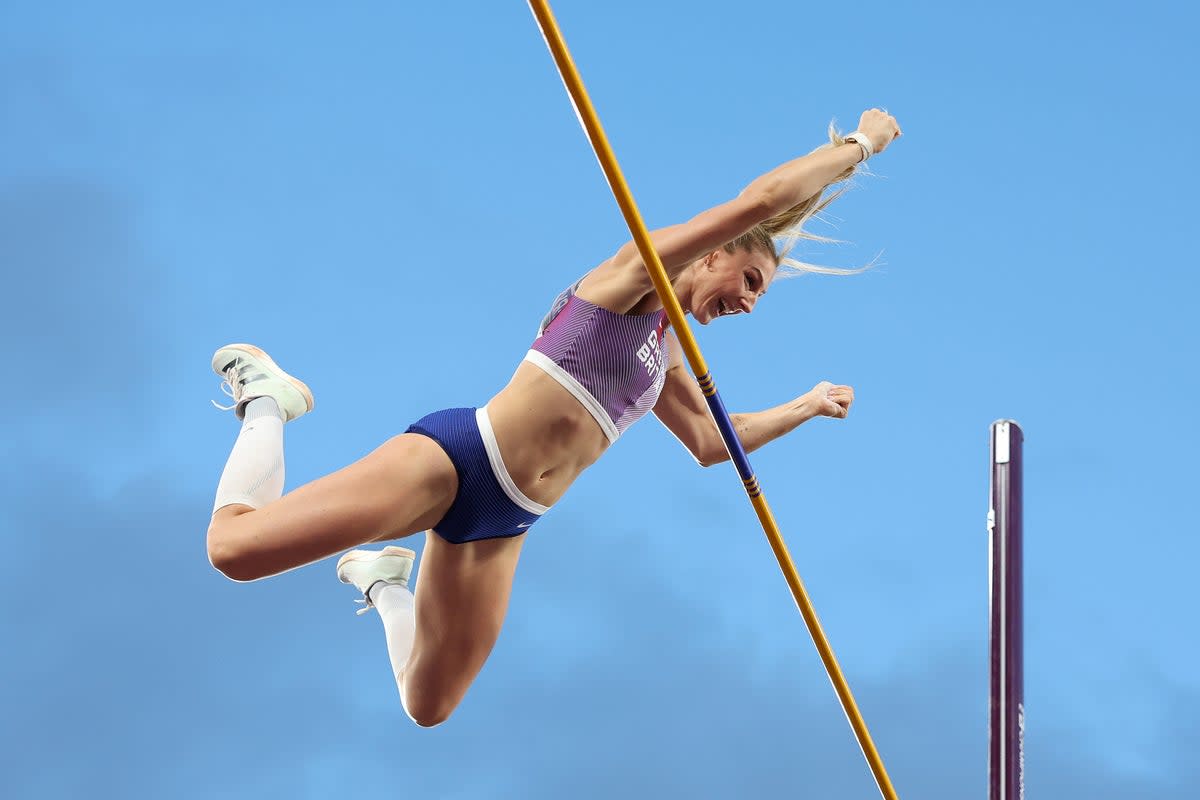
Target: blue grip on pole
{"type": "Point", "coordinates": [725, 426]}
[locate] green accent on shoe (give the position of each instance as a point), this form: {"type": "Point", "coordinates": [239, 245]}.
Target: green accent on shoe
{"type": "Point", "coordinates": [249, 372]}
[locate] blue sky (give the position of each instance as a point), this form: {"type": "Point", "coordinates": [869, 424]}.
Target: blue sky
{"type": "Point", "coordinates": [387, 199]}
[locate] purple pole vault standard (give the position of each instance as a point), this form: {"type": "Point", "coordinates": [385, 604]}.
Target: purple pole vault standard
{"type": "Point", "coordinates": [1006, 734]}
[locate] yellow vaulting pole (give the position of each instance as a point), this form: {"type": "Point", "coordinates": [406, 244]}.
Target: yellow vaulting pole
{"type": "Point", "coordinates": [633, 218]}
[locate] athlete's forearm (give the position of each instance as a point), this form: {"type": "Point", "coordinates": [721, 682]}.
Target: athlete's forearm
{"type": "Point", "coordinates": [799, 179]}
{"type": "Point", "coordinates": [756, 428]}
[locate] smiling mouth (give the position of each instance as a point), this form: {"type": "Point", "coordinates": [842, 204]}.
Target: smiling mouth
{"type": "Point", "coordinates": [723, 310]}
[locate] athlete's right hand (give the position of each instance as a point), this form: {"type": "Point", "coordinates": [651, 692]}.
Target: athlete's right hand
{"type": "Point", "coordinates": [880, 126]}
{"type": "Point", "coordinates": [830, 400]}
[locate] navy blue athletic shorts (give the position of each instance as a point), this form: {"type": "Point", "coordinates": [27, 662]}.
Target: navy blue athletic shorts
{"type": "Point", "coordinates": [488, 504]}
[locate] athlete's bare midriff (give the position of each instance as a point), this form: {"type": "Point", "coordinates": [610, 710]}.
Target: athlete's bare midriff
{"type": "Point", "coordinates": [546, 436]}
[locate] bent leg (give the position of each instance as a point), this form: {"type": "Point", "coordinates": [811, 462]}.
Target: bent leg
{"type": "Point", "coordinates": [403, 487]}
{"type": "Point", "coordinates": [253, 475]}
{"type": "Point", "coordinates": [461, 601]}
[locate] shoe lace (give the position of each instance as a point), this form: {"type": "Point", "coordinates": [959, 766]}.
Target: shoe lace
{"type": "Point", "coordinates": [367, 605]}
{"type": "Point", "coordinates": [230, 387]}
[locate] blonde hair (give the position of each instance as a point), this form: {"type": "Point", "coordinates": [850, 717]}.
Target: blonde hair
{"type": "Point", "coordinates": [782, 232]}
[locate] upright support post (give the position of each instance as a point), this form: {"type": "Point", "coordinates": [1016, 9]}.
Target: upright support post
{"type": "Point", "coordinates": [1006, 714]}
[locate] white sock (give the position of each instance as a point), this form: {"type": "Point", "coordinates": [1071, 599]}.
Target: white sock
{"type": "Point", "coordinates": [253, 475]}
{"type": "Point", "coordinates": [397, 609]}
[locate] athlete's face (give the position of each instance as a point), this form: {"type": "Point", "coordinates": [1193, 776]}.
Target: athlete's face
{"type": "Point", "coordinates": [730, 283]}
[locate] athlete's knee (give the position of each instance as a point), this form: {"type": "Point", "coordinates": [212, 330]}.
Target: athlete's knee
{"type": "Point", "coordinates": [427, 709]}
{"type": "Point", "coordinates": [430, 717]}
{"type": "Point", "coordinates": [229, 557]}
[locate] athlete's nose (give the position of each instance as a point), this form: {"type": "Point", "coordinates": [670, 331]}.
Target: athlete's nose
{"type": "Point", "coordinates": [747, 303]}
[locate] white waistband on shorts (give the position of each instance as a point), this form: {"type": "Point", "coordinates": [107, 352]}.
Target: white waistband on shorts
{"type": "Point", "coordinates": [499, 470]}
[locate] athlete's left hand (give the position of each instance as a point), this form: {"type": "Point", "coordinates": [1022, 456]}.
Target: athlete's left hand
{"type": "Point", "coordinates": [831, 400]}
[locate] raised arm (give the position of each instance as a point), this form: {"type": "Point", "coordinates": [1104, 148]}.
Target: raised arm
{"type": "Point", "coordinates": [683, 410]}
{"type": "Point", "coordinates": [622, 281]}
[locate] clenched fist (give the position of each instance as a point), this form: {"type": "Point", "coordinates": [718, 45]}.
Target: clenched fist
{"type": "Point", "coordinates": [831, 400]}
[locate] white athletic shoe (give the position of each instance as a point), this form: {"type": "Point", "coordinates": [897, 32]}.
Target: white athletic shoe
{"type": "Point", "coordinates": [365, 568]}
{"type": "Point", "coordinates": [250, 373]}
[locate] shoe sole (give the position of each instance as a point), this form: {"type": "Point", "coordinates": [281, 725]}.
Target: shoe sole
{"type": "Point", "coordinates": [371, 555]}
{"type": "Point", "coordinates": [300, 385]}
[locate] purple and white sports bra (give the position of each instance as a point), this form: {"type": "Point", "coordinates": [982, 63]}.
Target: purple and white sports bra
{"type": "Point", "coordinates": [614, 364]}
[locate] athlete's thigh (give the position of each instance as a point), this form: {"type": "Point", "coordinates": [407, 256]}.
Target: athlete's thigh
{"type": "Point", "coordinates": [403, 487]}
{"type": "Point", "coordinates": [462, 598]}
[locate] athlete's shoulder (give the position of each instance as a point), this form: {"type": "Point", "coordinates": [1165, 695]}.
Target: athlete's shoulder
{"type": "Point", "coordinates": [618, 284]}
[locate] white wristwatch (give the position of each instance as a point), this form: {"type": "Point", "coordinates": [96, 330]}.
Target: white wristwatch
{"type": "Point", "coordinates": [863, 141]}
